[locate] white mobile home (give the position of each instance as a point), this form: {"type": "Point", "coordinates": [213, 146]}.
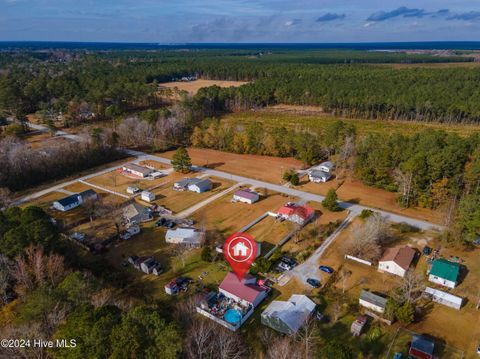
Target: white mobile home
{"type": "Point", "coordinates": [148, 196]}
{"type": "Point", "coordinates": [444, 298]}
{"type": "Point", "coordinates": [372, 301]}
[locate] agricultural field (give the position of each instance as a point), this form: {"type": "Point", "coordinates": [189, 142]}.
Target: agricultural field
{"type": "Point", "coordinates": [265, 168]}
{"type": "Point", "coordinates": [227, 217]}
{"type": "Point", "coordinates": [306, 117]}
{"type": "Point", "coordinates": [178, 201]}
{"type": "Point", "coordinates": [192, 87]}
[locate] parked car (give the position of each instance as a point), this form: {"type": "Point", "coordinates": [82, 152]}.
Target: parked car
{"type": "Point", "coordinates": [315, 283]}
{"type": "Point", "coordinates": [160, 222]}
{"type": "Point", "coordinates": [478, 350]}
{"type": "Point", "coordinates": [326, 269]}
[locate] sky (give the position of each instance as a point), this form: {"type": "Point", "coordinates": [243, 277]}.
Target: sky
{"type": "Point", "coordinates": [187, 21]}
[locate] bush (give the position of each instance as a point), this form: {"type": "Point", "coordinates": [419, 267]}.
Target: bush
{"type": "Point", "coordinates": [294, 179]}
{"type": "Point", "coordinates": [365, 213]}
{"type": "Point", "coordinates": [405, 313]}
{"type": "Point", "coordinates": [206, 254]}
{"type": "Point", "coordinates": [406, 228]}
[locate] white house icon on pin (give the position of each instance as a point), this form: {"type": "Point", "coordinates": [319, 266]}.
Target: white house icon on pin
{"type": "Point", "coordinates": [240, 250]}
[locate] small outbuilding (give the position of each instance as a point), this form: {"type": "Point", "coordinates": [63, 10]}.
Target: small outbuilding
{"type": "Point", "coordinates": [444, 298]}
{"type": "Point", "coordinates": [421, 347]}
{"type": "Point", "coordinates": [288, 316]}
{"type": "Point", "coordinates": [444, 273]}
{"type": "Point", "coordinates": [397, 260]}
{"type": "Point", "coordinates": [358, 325]}
{"type": "Point", "coordinates": [148, 196]}
{"type": "Point", "coordinates": [246, 196]}
{"type": "Point", "coordinates": [372, 301]}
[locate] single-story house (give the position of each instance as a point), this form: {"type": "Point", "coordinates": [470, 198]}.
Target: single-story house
{"type": "Point", "coordinates": [198, 185]}
{"type": "Point", "coordinates": [318, 176]}
{"type": "Point", "coordinates": [445, 273]}
{"type": "Point", "coordinates": [136, 213]}
{"type": "Point", "coordinates": [137, 170]}
{"type": "Point", "coordinates": [444, 298]}
{"type": "Point", "coordinates": [246, 196]}
{"type": "Point", "coordinates": [245, 291]}
{"type": "Point", "coordinates": [372, 301]}
{"type": "Point", "coordinates": [148, 265]}
{"type": "Point", "coordinates": [147, 196]}
{"type": "Point", "coordinates": [327, 166]}
{"type": "Point", "coordinates": [132, 189]}
{"type": "Point", "coordinates": [421, 347]}
{"type": "Point", "coordinates": [74, 200]}
{"type": "Point", "coordinates": [296, 213]}
{"type": "Point", "coordinates": [397, 260]}
{"type": "Point", "coordinates": [191, 237]}
{"type": "Point", "coordinates": [288, 316]}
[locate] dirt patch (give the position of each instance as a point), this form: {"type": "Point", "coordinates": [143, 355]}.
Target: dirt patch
{"type": "Point", "coordinates": [263, 168]}
{"type": "Point", "coordinates": [192, 87]}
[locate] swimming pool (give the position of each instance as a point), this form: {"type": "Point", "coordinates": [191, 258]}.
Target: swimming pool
{"type": "Point", "coordinates": [233, 316]}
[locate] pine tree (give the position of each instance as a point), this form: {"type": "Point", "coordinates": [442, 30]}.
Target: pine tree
{"type": "Point", "coordinates": [181, 161]}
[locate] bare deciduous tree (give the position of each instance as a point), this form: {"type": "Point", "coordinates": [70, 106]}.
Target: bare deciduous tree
{"type": "Point", "coordinates": [411, 288]}
{"type": "Point", "coordinates": [284, 348]}
{"type": "Point", "coordinates": [308, 337]}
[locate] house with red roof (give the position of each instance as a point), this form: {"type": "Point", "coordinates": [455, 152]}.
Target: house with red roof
{"type": "Point", "coordinates": [296, 213]}
{"type": "Point", "coordinates": [245, 291]}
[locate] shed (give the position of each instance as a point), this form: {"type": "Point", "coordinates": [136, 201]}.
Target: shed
{"type": "Point", "coordinates": [445, 273]}
{"type": "Point", "coordinates": [372, 301]}
{"type": "Point", "coordinates": [358, 324]}
{"type": "Point", "coordinates": [421, 347]}
{"type": "Point", "coordinates": [444, 298]}
{"type": "Point", "coordinates": [148, 196]}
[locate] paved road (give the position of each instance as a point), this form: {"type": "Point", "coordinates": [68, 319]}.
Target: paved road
{"type": "Point", "coordinates": [355, 209]}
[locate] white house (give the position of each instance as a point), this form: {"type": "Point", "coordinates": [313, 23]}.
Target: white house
{"type": "Point", "coordinates": [372, 301]}
{"type": "Point", "coordinates": [445, 273]}
{"type": "Point", "coordinates": [397, 260]}
{"type": "Point", "coordinates": [444, 298]}
{"type": "Point", "coordinates": [240, 250]}
{"type": "Point", "coordinates": [148, 196]}
{"type": "Point", "coordinates": [318, 176]}
{"type": "Point", "coordinates": [191, 237]}
{"type": "Point", "coordinates": [74, 200]}
{"type": "Point", "coordinates": [327, 166]}
{"type": "Point", "coordinates": [198, 185]}
{"type": "Point", "coordinates": [137, 170]}
{"type": "Point", "coordinates": [246, 196]}
{"type": "Point", "coordinates": [288, 316]}
{"type": "Point", "coordinates": [245, 291]}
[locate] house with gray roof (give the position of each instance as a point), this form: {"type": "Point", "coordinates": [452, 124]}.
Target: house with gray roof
{"type": "Point", "coordinates": [318, 176]}
{"type": "Point", "coordinates": [190, 237]}
{"type": "Point", "coordinates": [136, 213]}
{"type": "Point", "coordinates": [198, 185]}
{"type": "Point", "coordinates": [372, 301]}
{"type": "Point", "coordinates": [246, 196]}
{"type": "Point", "coordinates": [288, 316]}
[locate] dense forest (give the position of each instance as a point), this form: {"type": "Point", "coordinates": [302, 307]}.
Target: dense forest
{"type": "Point", "coordinates": [112, 83]}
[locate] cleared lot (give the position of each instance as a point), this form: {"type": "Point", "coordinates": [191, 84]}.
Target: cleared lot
{"type": "Point", "coordinates": [192, 87]}
{"type": "Point", "coordinates": [227, 217]}
{"type": "Point", "coordinates": [264, 168]}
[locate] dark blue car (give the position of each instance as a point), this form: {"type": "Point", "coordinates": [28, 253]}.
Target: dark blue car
{"type": "Point", "coordinates": [313, 282]}
{"type": "Point", "coordinates": [326, 269]}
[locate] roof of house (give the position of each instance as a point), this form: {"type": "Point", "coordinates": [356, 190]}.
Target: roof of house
{"type": "Point", "coordinates": [319, 174]}
{"type": "Point", "coordinates": [328, 164]}
{"type": "Point", "coordinates": [135, 211]}
{"type": "Point", "coordinates": [291, 208]}
{"type": "Point", "coordinates": [66, 201]}
{"type": "Point", "coordinates": [193, 181]}
{"type": "Point", "coordinates": [137, 168]}
{"type": "Point", "coordinates": [188, 235]}
{"type": "Point", "coordinates": [444, 296]}
{"type": "Point", "coordinates": [422, 344]}
{"type": "Point", "coordinates": [246, 193]}
{"type": "Point", "coordinates": [293, 312]}
{"type": "Point", "coordinates": [246, 289]}
{"type": "Point", "coordinates": [373, 298]}
{"type": "Point", "coordinates": [445, 269]}
{"type": "Point", "coordinates": [402, 256]}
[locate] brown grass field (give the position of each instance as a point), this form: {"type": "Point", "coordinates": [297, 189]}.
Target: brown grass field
{"type": "Point", "coordinates": [192, 87]}
{"type": "Point", "coordinates": [263, 168]}
{"type": "Point", "coordinates": [227, 217]}
{"type": "Point", "coordinates": [105, 196]}
{"type": "Point", "coordinates": [270, 232]}
{"type": "Point", "coordinates": [177, 201]}
{"type": "Point", "coordinates": [39, 141]}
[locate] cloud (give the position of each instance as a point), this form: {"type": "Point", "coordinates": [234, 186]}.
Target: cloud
{"type": "Point", "coordinates": [292, 22]}
{"type": "Point", "coordinates": [401, 11]}
{"type": "Point", "coordinates": [330, 17]}
{"type": "Point", "coordinates": [466, 16]}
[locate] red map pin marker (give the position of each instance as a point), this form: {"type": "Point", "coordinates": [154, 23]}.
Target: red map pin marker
{"type": "Point", "coordinates": [240, 250]}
